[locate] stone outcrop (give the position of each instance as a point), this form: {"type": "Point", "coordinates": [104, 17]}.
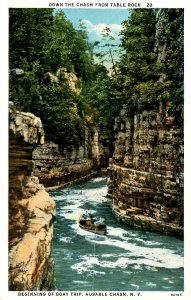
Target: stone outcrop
{"type": "Point", "coordinates": [31, 210]}
{"type": "Point", "coordinates": [31, 265]}
{"type": "Point", "coordinates": [57, 167]}
{"type": "Point", "coordinates": [63, 75]}
{"type": "Point", "coordinates": [146, 171]}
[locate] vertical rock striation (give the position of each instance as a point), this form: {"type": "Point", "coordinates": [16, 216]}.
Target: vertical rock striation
{"type": "Point", "coordinates": [146, 170]}
{"type": "Point", "coordinates": [57, 167]}
{"type": "Point", "coordinates": [31, 210]}
{"type": "Point", "coordinates": [66, 164]}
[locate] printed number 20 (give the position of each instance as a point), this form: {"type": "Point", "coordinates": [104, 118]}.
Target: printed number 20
{"type": "Point", "coordinates": [149, 4]}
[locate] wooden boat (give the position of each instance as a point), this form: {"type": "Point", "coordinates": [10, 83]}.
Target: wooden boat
{"type": "Point", "coordinates": [94, 229]}
{"type": "Point", "coordinates": [91, 224]}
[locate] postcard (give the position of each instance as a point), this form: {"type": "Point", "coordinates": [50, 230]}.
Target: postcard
{"type": "Point", "coordinates": [95, 149]}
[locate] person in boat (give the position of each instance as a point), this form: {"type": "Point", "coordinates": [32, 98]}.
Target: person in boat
{"type": "Point", "coordinates": [87, 219]}
{"type": "Point", "coordinates": [90, 222]}
{"type": "Point", "coordinates": [90, 216]}
{"type": "Point", "coordinates": [82, 219]}
{"type": "Point", "coordinates": [100, 224]}
{"type": "Point", "coordinates": [88, 213]}
{"type": "Point", "coordinates": [86, 222]}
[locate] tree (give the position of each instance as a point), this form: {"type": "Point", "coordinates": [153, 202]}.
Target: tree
{"type": "Point", "coordinates": [29, 36]}
{"type": "Point", "coordinates": [138, 38]}
{"type": "Point", "coordinates": [171, 36]}
{"type": "Point", "coordinates": [138, 61]}
{"type": "Point", "coordinates": [29, 33]}
{"type": "Point", "coordinates": [42, 43]}
{"type": "Point", "coordinates": [110, 49]}
{"type": "Point", "coordinates": [147, 78]}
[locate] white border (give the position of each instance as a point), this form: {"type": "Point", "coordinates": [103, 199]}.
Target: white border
{"type": "Point", "coordinates": [4, 293]}
{"type": "Point", "coordinates": [143, 3]}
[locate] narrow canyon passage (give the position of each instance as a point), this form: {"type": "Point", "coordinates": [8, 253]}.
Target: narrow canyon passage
{"type": "Point", "coordinates": [126, 259]}
{"type": "Point", "coordinates": [88, 93]}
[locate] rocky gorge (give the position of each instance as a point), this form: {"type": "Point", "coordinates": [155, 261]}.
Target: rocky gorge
{"type": "Point", "coordinates": [62, 165]}
{"type": "Point", "coordinates": [116, 122]}
{"type": "Point", "coordinates": [31, 210]}
{"type": "Point", "coordinates": [146, 171]}
{"type": "Point", "coordinates": [56, 167]}
{"type": "Point", "coordinates": [36, 165]}
{"type": "Point", "coordinates": [33, 166]}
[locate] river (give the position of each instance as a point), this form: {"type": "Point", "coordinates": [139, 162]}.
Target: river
{"type": "Point", "coordinates": [126, 259]}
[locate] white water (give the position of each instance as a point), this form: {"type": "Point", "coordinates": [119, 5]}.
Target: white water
{"type": "Point", "coordinates": [91, 260]}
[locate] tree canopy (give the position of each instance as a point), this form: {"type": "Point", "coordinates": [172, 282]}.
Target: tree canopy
{"type": "Point", "coordinates": [46, 46]}
{"type": "Point", "coordinates": [151, 69]}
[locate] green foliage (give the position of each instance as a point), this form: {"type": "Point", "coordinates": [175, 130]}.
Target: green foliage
{"type": "Point", "coordinates": [29, 37]}
{"type": "Point", "coordinates": [151, 69]}
{"type": "Point", "coordinates": [59, 113]}
{"type": "Point", "coordinates": [97, 104]}
{"type": "Point", "coordinates": [110, 50]}
{"type": "Point", "coordinates": [138, 38]}
{"type": "Point", "coordinates": [69, 47]}
{"type": "Point", "coordinates": [42, 41]}
{"type": "Point", "coordinates": [171, 32]}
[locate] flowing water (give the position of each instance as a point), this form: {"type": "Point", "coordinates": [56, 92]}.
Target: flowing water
{"type": "Point", "coordinates": [126, 259]}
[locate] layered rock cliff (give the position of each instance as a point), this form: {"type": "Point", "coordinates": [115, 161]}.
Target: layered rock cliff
{"type": "Point", "coordinates": [56, 167]}
{"type": "Point", "coordinates": [31, 210]}
{"type": "Point", "coordinates": [146, 170]}
{"type": "Point", "coordinates": [69, 163]}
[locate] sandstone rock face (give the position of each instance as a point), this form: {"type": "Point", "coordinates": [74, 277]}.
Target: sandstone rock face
{"type": "Point", "coordinates": [57, 167]}
{"type": "Point", "coordinates": [31, 210]}
{"type": "Point", "coordinates": [31, 265]}
{"type": "Point", "coordinates": [71, 78]}
{"type": "Point", "coordinates": [62, 74]}
{"type": "Point", "coordinates": [146, 171]}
